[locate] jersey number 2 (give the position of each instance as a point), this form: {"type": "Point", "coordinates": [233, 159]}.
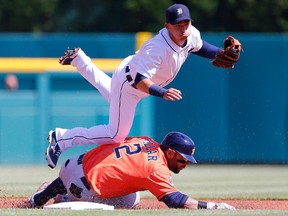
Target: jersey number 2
{"type": "Point", "coordinates": [127, 150]}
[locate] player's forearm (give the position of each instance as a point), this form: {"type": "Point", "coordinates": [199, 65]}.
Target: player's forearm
{"type": "Point", "coordinates": [197, 204]}
{"type": "Point", "coordinates": [147, 86]}
{"type": "Point", "coordinates": [144, 85]}
{"type": "Point", "coordinates": [191, 204]}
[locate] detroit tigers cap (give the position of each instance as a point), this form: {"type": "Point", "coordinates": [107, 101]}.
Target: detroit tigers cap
{"type": "Point", "coordinates": [180, 143]}
{"type": "Point", "coordinates": [177, 13]}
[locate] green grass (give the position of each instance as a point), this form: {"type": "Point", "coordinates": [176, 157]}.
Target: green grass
{"type": "Point", "coordinates": [234, 181]}
{"type": "Point", "coordinates": [197, 181]}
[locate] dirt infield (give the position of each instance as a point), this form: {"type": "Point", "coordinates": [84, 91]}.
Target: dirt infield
{"type": "Point", "coordinates": [12, 202]}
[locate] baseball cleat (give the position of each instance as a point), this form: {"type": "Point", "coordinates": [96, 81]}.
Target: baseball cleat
{"type": "Point", "coordinates": [31, 200]}
{"type": "Point", "coordinates": [53, 150]}
{"type": "Point", "coordinates": [68, 56]}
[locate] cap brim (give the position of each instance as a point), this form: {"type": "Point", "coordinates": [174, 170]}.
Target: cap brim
{"type": "Point", "coordinates": [180, 19]}
{"type": "Point", "coordinates": [190, 158]}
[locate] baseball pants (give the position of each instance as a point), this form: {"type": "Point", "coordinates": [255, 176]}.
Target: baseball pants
{"type": "Point", "coordinates": [78, 189]}
{"type": "Point", "coordinates": [123, 99]}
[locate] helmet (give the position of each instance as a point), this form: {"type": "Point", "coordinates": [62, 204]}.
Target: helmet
{"type": "Point", "coordinates": [180, 143]}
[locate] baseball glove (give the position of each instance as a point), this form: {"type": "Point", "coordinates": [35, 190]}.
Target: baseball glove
{"type": "Point", "coordinates": [229, 56]}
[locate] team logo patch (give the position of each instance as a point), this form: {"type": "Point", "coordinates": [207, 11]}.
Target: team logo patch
{"type": "Point", "coordinates": [179, 11]}
{"type": "Point", "coordinates": [193, 151]}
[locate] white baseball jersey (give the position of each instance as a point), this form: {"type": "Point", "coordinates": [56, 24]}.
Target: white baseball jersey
{"type": "Point", "coordinates": [159, 59]}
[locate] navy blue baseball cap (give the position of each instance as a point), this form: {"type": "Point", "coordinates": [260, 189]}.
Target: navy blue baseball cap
{"type": "Point", "coordinates": [177, 13]}
{"type": "Point", "coordinates": [180, 143]}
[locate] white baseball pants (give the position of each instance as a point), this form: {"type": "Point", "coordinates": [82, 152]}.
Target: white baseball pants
{"type": "Point", "coordinates": [123, 99]}
{"type": "Point", "coordinates": [72, 175]}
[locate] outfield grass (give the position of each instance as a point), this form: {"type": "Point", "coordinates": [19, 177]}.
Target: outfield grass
{"type": "Point", "coordinates": [197, 181]}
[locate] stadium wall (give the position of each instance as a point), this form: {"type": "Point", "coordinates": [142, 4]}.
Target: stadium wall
{"type": "Point", "coordinates": [234, 115]}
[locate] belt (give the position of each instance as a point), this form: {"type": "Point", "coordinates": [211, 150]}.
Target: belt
{"type": "Point", "coordinates": [83, 179]}
{"type": "Point", "coordinates": [80, 159]}
{"type": "Point", "coordinates": [129, 77]}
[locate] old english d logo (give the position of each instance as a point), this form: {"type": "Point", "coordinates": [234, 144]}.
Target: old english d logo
{"type": "Point", "coordinates": [179, 11]}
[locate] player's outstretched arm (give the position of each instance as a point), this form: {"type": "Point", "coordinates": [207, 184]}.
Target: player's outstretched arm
{"type": "Point", "coordinates": [180, 200]}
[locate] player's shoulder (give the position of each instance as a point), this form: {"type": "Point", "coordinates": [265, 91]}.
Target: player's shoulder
{"type": "Point", "coordinates": [158, 41]}
{"type": "Point", "coordinates": [194, 41]}
{"type": "Point", "coordinates": [195, 33]}
{"type": "Point", "coordinates": [194, 29]}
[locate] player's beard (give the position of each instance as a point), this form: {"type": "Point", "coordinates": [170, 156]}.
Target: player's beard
{"type": "Point", "coordinates": [176, 171]}
{"type": "Point", "coordinates": [174, 166]}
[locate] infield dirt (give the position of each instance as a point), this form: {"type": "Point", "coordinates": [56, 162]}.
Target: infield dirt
{"type": "Point", "coordinates": [13, 202]}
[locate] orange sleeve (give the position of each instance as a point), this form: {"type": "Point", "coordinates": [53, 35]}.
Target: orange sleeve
{"type": "Point", "coordinates": [160, 183]}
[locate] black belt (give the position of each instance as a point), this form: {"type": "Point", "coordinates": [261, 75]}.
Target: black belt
{"type": "Point", "coordinates": [80, 159]}
{"type": "Point", "coordinates": [83, 179]}
{"type": "Point", "coordinates": [128, 77]}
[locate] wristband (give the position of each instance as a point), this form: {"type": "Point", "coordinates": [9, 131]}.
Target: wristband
{"type": "Point", "coordinates": [156, 90]}
{"type": "Point", "coordinates": [202, 205]}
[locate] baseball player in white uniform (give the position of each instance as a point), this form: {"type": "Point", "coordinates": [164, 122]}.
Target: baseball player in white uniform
{"type": "Point", "coordinates": [145, 73]}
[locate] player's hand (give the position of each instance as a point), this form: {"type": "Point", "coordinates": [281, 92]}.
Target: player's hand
{"type": "Point", "coordinates": [172, 94]}
{"type": "Point", "coordinates": [220, 206]}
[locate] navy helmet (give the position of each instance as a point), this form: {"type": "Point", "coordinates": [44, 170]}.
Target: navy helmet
{"type": "Point", "coordinates": [180, 143]}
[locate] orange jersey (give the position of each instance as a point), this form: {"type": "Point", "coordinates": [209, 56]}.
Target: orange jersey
{"type": "Point", "coordinates": [135, 164]}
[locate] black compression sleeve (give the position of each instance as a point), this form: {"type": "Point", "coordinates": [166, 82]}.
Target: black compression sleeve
{"type": "Point", "coordinates": [175, 200]}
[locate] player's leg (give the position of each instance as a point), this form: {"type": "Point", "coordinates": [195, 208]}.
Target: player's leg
{"type": "Point", "coordinates": [88, 70]}
{"type": "Point", "coordinates": [46, 192]}
{"type": "Point", "coordinates": [121, 115]}
{"type": "Point", "coordinates": [78, 189]}
{"type": "Point", "coordinates": [72, 176]}
{"type": "Point", "coordinates": [122, 108]}
{"type": "Point", "coordinates": [97, 78]}
{"type": "Point", "coordinates": [128, 201]}
{"type": "Point", "coordinates": [124, 99]}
